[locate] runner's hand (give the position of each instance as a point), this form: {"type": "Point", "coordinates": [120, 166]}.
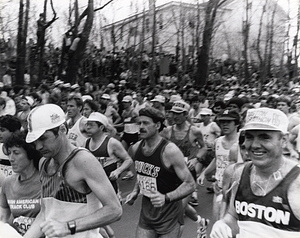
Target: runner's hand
{"type": "Point", "coordinates": [221, 230]}
{"type": "Point", "coordinates": [200, 179]}
{"type": "Point", "coordinates": [114, 175]}
{"type": "Point", "coordinates": [157, 199]}
{"type": "Point", "coordinates": [192, 163]}
{"type": "Point", "coordinates": [52, 228]}
{"type": "Point", "coordinates": [131, 197]}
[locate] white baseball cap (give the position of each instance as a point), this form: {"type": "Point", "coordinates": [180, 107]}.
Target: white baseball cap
{"type": "Point", "coordinates": [159, 98]}
{"type": "Point", "coordinates": [266, 119]}
{"type": "Point", "coordinates": [206, 111]}
{"type": "Point", "coordinates": [180, 106]}
{"type": "Point", "coordinates": [43, 118]}
{"type": "Point", "coordinates": [86, 97]}
{"type": "Point", "coordinates": [105, 96]}
{"type": "Point", "coordinates": [29, 100]}
{"type": "Point", "coordinates": [127, 99]}
{"type": "Point", "coordinates": [97, 116]}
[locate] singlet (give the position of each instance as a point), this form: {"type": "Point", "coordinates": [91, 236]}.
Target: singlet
{"type": "Point", "coordinates": [75, 135]}
{"type": "Point", "coordinates": [207, 133]}
{"type": "Point", "coordinates": [222, 160]}
{"type": "Point", "coordinates": [130, 127]}
{"type": "Point", "coordinates": [60, 198]}
{"type": "Point", "coordinates": [101, 152]}
{"type": "Point", "coordinates": [271, 213]}
{"type": "Point", "coordinates": [184, 145]}
{"type": "Point", "coordinates": [153, 175]}
{"type": "Point", "coordinates": [23, 198]}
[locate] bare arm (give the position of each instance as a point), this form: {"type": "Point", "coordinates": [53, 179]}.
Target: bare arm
{"type": "Point", "coordinates": [173, 157]}
{"type": "Point", "coordinates": [136, 189]}
{"type": "Point", "coordinates": [199, 138]}
{"type": "Point", "coordinates": [90, 171]}
{"type": "Point", "coordinates": [86, 170]}
{"type": "Point", "coordinates": [116, 149]}
{"type": "Point", "coordinates": [35, 230]}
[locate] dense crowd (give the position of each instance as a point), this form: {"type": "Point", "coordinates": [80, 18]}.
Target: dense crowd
{"type": "Point", "coordinates": [189, 134]}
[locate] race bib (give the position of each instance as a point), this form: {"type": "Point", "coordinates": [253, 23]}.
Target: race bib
{"type": "Point", "coordinates": [23, 223]}
{"type": "Point", "coordinates": [7, 170]}
{"type": "Point", "coordinates": [147, 185]}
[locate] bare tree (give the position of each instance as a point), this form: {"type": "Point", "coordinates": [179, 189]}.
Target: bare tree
{"type": "Point", "coordinates": [21, 42]}
{"type": "Point", "coordinates": [203, 56]}
{"type": "Point", "coordinates": [41, 39]}
{"type": "Point", "coordinates": [80, 40]}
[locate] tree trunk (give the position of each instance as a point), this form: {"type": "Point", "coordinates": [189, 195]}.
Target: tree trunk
{"type": "Point", "coordinates": [21, 42]}
{"type": "Point", "coordinates": [74, 61]}
{"type": "Point", "coordinates": [203, 56]}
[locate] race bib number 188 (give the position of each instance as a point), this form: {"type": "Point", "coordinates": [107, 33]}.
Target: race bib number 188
{"type": "Point", "coordinates": [147, 185]}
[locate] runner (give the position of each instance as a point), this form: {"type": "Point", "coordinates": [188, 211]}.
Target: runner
{"type": "Point", "coordinates": [190, 141]}
{"type": "Point", "coordinates": [264, 192]}
{"type": "Point", "coordinates": [162, 177]}
{"type": "Point", "coordinates": [77, 197]}
{"type": "Point", "coordinates": [76, 122]}
{"type": "Point", "coordinates": [21, 192]}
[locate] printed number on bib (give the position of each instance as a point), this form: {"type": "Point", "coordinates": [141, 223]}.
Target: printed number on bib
{"type": "Point", "coordinates": [147, 185]}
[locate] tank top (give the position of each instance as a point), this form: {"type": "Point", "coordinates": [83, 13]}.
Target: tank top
{"type": "Point", "coordinates": [222, 160]}
{"type": "Point", "coordinates": [184, 145]}
{"type": "Point", "coordinates": [152, 174]}
{"type": "Point", "coordinates": [60, 198]}
{"type": "Point", "coordinates": [75, 135]}
{"type": "Point", "coordinates": [207, 133]}
{"type": "Point", "coordinates": [273, 209]}
{"type": "Point", "coordinates": [101, 152]}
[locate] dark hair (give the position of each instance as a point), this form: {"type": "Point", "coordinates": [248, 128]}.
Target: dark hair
{"type": "Point", "coordinates": [285, 99]}
{"type": "Point", "coordinates": [92, 104]}
{"type": "Point", "coordinates": [77, 99]}
{"type": "Point", "coordinates": [18, 139]}
{"type": "Point", "coordinates": [10, 123]}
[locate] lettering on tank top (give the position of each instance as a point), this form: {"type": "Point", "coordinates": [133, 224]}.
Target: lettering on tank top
{"type": "Point", "coordinates": [147, 184]}
{"type": "Point", "coordinates": [262, 212]}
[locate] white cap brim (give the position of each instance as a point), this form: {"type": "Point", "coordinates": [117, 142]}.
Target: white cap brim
{"type": "Point", "coordinates": [34, 135]}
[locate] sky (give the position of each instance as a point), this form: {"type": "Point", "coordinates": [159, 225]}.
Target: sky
{"type": "Point", "coordinates": [116, 10]}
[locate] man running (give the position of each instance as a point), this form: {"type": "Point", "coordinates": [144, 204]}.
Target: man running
{"type": "Point", "coordinates": [264, 193]}
{"type": "Point", "coordinates": [77, 197]}
{"type": "Point", "coordinates": [162, 177]}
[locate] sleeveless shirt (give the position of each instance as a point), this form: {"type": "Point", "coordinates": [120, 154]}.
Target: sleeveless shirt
{"type": "Point", "coordinates": [60, 198]}
{"type": "Point", "coordinates": [75, 135]}
{"type": "Point", "coordinates": [101, 152]}
{"type": "Point", "coordinates": [222, 160]}
{"type": "Point", "coordinates": [153, 175]}
{"type": "Point", "coordinates": [272, 210]}
{"type": "Point", "coordinates": [207, 133]}
{"type": "Point", "coordinates": [184, 145]}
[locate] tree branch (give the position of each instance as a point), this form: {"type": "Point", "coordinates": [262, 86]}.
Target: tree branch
{"type": "Point", "coordinates": [97, 9]}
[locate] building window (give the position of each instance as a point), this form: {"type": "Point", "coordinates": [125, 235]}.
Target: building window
{"type": "Point", "coordinates": [160, 21]}
{"type": "Point", "coordinates": [147, 25]}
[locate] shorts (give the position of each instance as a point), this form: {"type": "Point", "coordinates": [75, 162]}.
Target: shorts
{"type": "Point", "coordinates": [108, 169]}
{"type": "Point", "coordinates": [210, 154]}
{"type": "Point", "coordinates": [130, 138]}
{"type": "Point", "coordinates": [161, 219]}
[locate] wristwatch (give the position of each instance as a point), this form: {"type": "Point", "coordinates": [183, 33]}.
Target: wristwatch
{"type": "Point", "coordinates": [72, 227]}
{"type": "Point", "coordinates": [167, 199]}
